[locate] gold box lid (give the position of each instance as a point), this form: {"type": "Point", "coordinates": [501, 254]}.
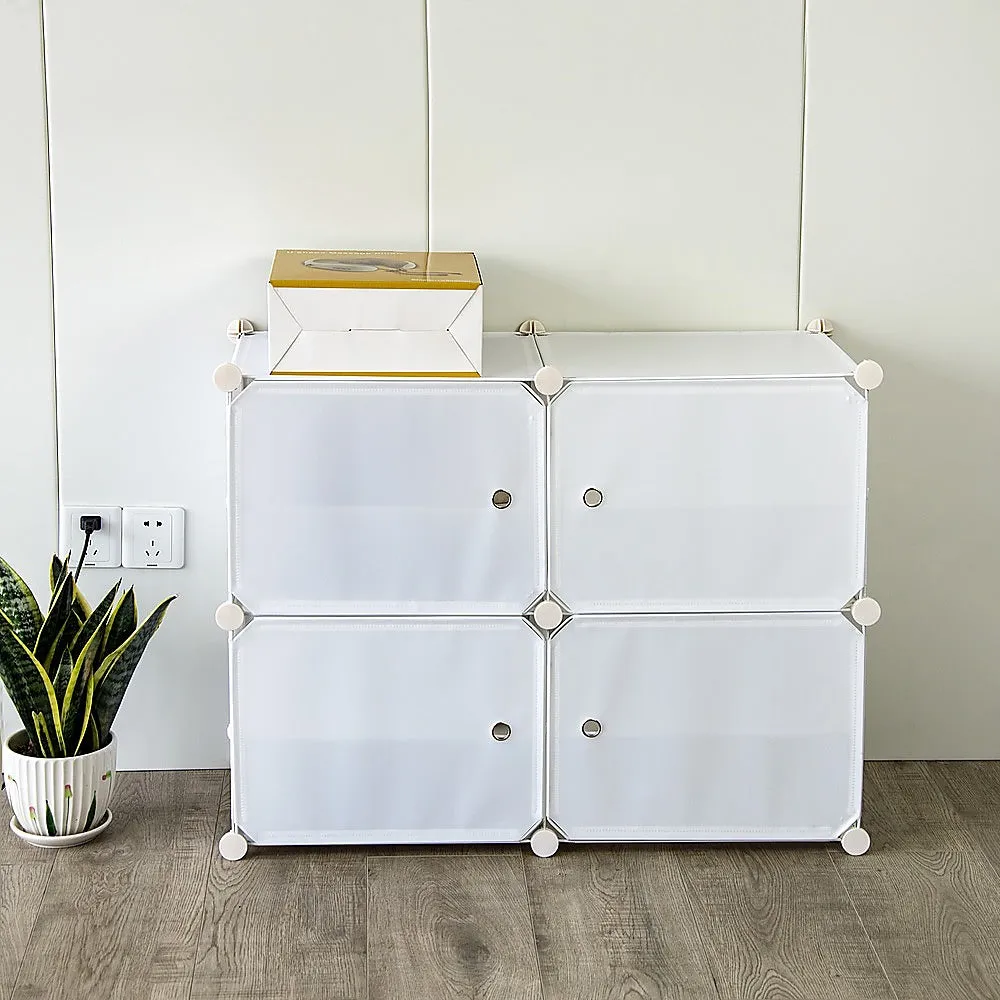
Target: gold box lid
{"type": "Point", "coordinates": [373, 269]}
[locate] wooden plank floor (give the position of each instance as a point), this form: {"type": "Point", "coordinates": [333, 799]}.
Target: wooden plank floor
{"type": "Point", "coordinates": [149, 910]}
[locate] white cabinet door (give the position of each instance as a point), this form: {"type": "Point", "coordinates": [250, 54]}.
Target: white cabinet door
{"type": "Point", "coordinates": [386, 498]}
{"type": "Point", "coordinates": [708, 496]}
{"type": "Point", "coordinates": [387, 730]}
{"type": "Point", "coordinates": [706, 727]}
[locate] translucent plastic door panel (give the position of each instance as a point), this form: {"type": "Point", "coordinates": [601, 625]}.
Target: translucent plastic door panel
{"type": "Point", "coordinates": [708, 496]}
{"type": "Point", "coordinates": [387, 731]}
{"type": "Point", "coordinates": [706, 727]}
{"type": "Point", "coordinates": [386, 498]}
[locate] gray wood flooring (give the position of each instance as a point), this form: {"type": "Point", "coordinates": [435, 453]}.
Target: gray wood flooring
{"type": "Point", "coordinates": [150, 910]}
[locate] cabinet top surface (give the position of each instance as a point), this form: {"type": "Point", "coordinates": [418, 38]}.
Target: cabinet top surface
{"type": "Point", "coordinates": [508, 357]}
{"type": "Point", "coordinates": [791, 354]}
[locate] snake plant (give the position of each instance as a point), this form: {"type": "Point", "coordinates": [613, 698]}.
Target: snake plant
{"type": "Point", "coordinates": [67, 671]}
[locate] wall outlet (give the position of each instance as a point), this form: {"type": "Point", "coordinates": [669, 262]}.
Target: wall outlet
{"type": "Point", "coordinates": [105, 548]}
{"type": "Point", "coordinates": [153, 537]}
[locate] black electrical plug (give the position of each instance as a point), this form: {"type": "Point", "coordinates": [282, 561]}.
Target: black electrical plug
{"type": "Point", "coordinates": [89, 523]}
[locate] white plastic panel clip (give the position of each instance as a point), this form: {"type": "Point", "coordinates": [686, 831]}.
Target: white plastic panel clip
{"type": "Point", "coordinates": [544, 842]}
{"type": "Point", "coordinates": [820, 326]}
{"type": "Point", "coordinates": [532, 328]}
{"type": "Point", "coordinates": [868, 374]}
{"type": "Point", "coordinates": [856, 841]}
{"type": "Point", "coordinates": [866, 611]}
{"type": "Point", "coordinates": [229, 616]}
{"type": "Point", "coordinates": [548, 380]}
{"type": "Point", "coordinates": [233, 846]}
{"type": "Point", "coordinates": [547, 615]}
{"type": "Point", "coordinates": [239, 328]}
{"type": "Point", "coordinates": [228, 377]}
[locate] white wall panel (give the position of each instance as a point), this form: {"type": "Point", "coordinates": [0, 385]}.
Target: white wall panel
{"type": "Point", "coordinates": [28, 479]}
{"type": "Point", "coordinates": [189, 140]}
{"type": "Point", "coordinates": [630, 165]}
{"type": "Point", "coordinates": [901, 244]}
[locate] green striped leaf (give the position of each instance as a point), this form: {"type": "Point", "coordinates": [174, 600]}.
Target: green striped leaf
{"type": "Point", "coordinates": [77, 700]}
{"type": "Point", "coordinates": [123, 621]}
{"type": "Point", "coordinates": [62, 645]}
{"type": "Point", "coordinates": [19, 605]}
{"type": "Point", "coordinates": [52, 637]}
{"type": "Point", "coordinates": [88, 711]}
{"type": "Point", "coordinates": [113, 676]}
{"type": "Point", "coordinates": [96, 619]}
{"type": "Point", "coordinates": [28, 684]}
{"type": "Point", "coordinates": [93, 741]}
{"type": "Point", "coordinates": [42, 732]}
{"type": "Point", "coordinates": [61, 679]}
{"type": "Point", "coordinates": [80, 603]}
{"type": "Point", "coordinates": [50, 822]}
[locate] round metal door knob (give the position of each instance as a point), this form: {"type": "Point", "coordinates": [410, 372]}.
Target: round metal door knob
{"type": "Point", "coordinates": [501, 732]}
{"type": "Point", "coordinates": [591, 728]}
{"type": "Point", "coordinates": [593, 497]}
{"type": "Point", "coordinates": [228, 377]}
{"type": "Point", "coordinates": [502, 499]}
{"type": "Point", "coordinates": [856, 841]}
{"type": "Point", "coordinates": [229, 616]}
{"type": "Point", "coordinates": [547, 615]}
{"type": "Point", "coordinates": [866, 611]}
{"type": "Point", "coordinates": [548, 380]}
{"type": "Point", "coordinates": [544, 842]}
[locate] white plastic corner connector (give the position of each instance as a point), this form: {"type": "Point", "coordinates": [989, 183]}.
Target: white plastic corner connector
{"type": "Point", "coordinates": [544, 842]}
{"type": "Point", "coordinates": [233, 846]}
{"type": "Point", "coordinates": [820, 326]}
{"type": "Point", "coordinates": [228, 377]}
{"type": "Point", "coordinates": [868, 375]}
{"type": "Point", "coordinates": [548, 380]}
{"type": "Point", "coordinates": [547, 615]}
{"type": "Point", "coordinates": [866, 611]}
{"type": "Point", "coordinates": [229, 616]}
{"type": "Point", "coordinates": [532, 327]}
{"type": "Point", "coordinates": [856, 841]}
{"type": "Point", "coordinates": [239, 328]}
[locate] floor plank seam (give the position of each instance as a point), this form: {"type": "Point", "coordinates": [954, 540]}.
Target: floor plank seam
{"type": "Point", "coordinates": [868, 937]}
{"type": "Point", "coordinates": [204, 896]}
{"type": "Point", "coordinates": [430, 854]}
{"type": "Point", "coordinates": [34, 922]}
{"type": "Point", "coordinates": [531, 925]}
{"type": "Point", "coordinates": [368, 927]}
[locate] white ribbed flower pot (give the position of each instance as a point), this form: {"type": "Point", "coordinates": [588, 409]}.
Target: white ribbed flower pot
{"type": "Point", "coordinates": [58, 796]}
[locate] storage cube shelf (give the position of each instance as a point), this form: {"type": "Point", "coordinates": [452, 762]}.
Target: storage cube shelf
{"type": "Point", "coordinates": [690, 506]}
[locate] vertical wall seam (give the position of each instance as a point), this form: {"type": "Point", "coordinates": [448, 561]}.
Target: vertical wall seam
{"type": "Point", "coordinates": [802, 171]}
{"type": "Point", "coordinates": [427, 118]}
{"type": "Point", "coordinates": [47, 122]}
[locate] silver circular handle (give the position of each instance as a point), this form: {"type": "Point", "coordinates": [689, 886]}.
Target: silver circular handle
{"type": "Point", "coordinates": [502, 499]}
{"type": "Point", "coordinates": [591, 728]}
{"type": "Point", "coordinates": [501, 732]}
{"type": "Point", "coordinates": [592, 497]}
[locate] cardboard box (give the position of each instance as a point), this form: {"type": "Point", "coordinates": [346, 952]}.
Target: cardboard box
{"type": "Point", "coordinates": [337, 312]}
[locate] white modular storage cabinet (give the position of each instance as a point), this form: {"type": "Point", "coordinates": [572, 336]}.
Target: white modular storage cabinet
{"type": "Point", "coordinates": [612, 590]}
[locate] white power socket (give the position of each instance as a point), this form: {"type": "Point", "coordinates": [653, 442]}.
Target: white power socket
{"type": "Point", "coordinates": [153, 537]}
{"type": "Point", "coordinates": [105, 548]}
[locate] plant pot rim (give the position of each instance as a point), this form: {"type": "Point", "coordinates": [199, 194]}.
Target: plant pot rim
{"type": "Point", "coordinates": [111, 744]}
